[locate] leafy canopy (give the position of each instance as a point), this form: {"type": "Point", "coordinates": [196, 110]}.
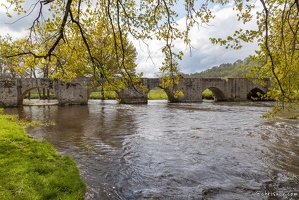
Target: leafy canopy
{"type": "Point", "coordinates": [72, 21]}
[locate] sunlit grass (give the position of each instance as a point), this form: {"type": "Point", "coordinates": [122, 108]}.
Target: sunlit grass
{"type": "Point", "coordinates": [33, 170]}
{"type": "Point", "coordinates": [107, 95]}
{"type": "Point", "coordinates": [157, 94]}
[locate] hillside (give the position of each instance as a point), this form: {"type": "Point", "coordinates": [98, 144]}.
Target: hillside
{"type": "Point", "coordinates": [238, 69]}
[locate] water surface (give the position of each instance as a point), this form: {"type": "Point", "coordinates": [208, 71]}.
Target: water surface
{"type": "Point", "coordinates": [175, 151]}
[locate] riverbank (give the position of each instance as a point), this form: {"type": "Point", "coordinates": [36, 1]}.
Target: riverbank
{"type": "Point", "coordinates": [34, 170]}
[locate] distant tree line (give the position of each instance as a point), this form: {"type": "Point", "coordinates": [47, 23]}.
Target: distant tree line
{"type": "Point", "coordinates": [238, 69]}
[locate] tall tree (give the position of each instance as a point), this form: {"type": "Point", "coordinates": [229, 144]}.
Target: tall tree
{"type": "Point", "coordinates": [278, 56]}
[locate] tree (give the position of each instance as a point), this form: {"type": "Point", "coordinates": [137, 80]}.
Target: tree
{"type": "Point", "coordinates": [278, 57]}
{"type": "Point", "coordinates": [280, 51]}
{"type": "Point", "coordinates": [70, 58]}
{"type": "Point", "coordinates": [141, 19]}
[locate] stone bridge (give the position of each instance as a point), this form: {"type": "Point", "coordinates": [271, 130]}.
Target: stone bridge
{"type": "Point", "coordinates": [12, 93]}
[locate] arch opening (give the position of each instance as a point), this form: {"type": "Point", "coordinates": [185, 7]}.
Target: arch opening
{"type": "Point", "coordinates": [157, 93]}
{"type": "Point", "coordinates": [255, 94]}
{"type": "Point", "coordinates": [207, 94]}
{"type": "Point", "coordinates": [37, 96]}
{"type": "Point", "coordinates": [217, 93]}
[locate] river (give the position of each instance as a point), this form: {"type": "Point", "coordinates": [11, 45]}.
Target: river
{"type": "Point", "coordinates": [161, 150]}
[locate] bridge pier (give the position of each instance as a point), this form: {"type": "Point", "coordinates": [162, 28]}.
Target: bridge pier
{"type": "Point", "coordinates": [8, 94]}
{"type": "Point", "coordinates": [73, 93]}
{"type": "Point", "coordinates": [190, 88]}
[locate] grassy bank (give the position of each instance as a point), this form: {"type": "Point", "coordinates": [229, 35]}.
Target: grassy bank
{"type": "Point", "coordinates": [33, 170]}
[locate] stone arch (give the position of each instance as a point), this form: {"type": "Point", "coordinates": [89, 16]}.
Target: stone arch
{"type": "Point", "coordinates": [218, 94]}
{"type": "Point", "coordinates": [24, 93]}
{"type": "Point", "coordinates": [152, 83]}
{"type": "Point", "coordinates": [255, 94]}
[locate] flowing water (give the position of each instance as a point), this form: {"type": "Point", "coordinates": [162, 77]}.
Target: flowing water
{"type": "Point", "coordinates": [175, 151]}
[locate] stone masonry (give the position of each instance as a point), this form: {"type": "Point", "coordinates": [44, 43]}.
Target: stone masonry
{"type": "Point", "coordinates": [12, 93]}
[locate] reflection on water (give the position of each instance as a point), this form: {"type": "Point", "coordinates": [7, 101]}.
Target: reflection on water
{"type": "Point", "coordinates": [175, 151]}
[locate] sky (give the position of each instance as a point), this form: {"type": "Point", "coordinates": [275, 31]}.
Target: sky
{"type": "Point", "coordinates": [203, 56]}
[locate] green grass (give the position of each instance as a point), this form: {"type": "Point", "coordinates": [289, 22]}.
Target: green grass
{"type": "Point", "coordinates": [36, 96]}
{"type": "Point", "coordinates": [107, 95]}
{"type": "Point", "coordinates": [157, 94]}
{"type": "Point", "coordinates": [33, 170]}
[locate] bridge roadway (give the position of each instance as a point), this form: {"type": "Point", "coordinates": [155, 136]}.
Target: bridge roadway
{"type": "Point", "coordinates": [12, 93]}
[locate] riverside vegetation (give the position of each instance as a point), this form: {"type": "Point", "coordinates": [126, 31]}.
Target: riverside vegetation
{"type": "Point", "coordinates": [33, 170]}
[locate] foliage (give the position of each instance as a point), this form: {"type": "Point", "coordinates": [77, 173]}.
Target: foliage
{"type": "Point", "coordinates": [207, 94]}
{"type": "Point", "coordinates": [278, 57]}
{"type": "Point", "coordinates": [238, 69]}
{"type": "Point", "coordinates": [106, 95]}
{"type": "Point", "coordinates": [280, 51]}
{"type": "Point", "coordinates": [68, 38]}
{"type": "Point", "coordinates": [105, 53]}
{"type": "Point", "coordinates": [33, 170]}
{"type": "Point", "coordinates": [157, 94]}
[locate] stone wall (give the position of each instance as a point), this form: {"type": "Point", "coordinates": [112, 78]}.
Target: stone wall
{"type": "Point", "coordinates": [8, 94]}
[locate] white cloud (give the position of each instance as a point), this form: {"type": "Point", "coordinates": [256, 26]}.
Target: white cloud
{"type": "Point", "coordinates": [19, 24]}
{"type": "Point", "coordinates": [150, 57]}
{"type": "Point", "coordinates": [204, 55]}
